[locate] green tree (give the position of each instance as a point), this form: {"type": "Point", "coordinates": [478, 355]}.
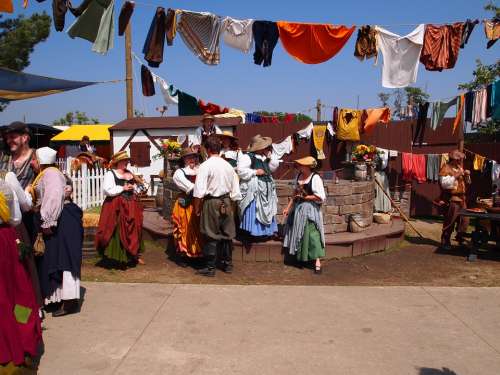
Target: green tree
{"type": "Point", "coordinates": [403, 97]}
{"type": "Point", "coordinates": [18, 38]}
{"type": "Point", "coordinates": [76, 117]}
{"type": "Point", "coordinates": [483, 76]}
{"type": "Point", "coordinates": [384, 98]}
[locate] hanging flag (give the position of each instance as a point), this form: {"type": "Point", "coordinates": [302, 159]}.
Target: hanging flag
{"type": "Point", "coordinates": [18, 85]}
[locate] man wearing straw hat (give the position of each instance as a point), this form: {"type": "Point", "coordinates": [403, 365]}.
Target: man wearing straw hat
{"type": "Point", "coordinates": [259, 205]}
{"type": "Point", "coordinates": [215, 188]}
{"type": "Point", "coordinates": [453, 180]}
{"type": "Point", "coordinates": [206, 129]}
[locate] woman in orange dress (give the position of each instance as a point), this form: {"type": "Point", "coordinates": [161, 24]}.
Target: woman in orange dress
{"type": "Point", "coordinates": [186, 232]}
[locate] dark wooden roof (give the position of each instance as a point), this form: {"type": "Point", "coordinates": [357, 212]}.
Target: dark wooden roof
{"type": "Point", "coordinates": [170, 122]}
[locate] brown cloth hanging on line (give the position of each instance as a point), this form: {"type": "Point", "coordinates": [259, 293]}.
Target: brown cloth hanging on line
{"type": "Point", "coordinates": [148, 87]}
{"type": "Point", "coordinates": [441, 46]}
{"type": "Point", "coordinates": [366, 43]}
{"type": "Point", "coordinates": [155, 41]}
{"type": "Point", "coordinates": [124, 17]}
{"type": "Point", "coordinates": [313, 43]}
{"type": "Point", "coordinates": [171, 22]}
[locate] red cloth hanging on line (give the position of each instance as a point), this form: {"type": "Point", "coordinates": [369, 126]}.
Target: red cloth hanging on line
{"type": "Point", "coordinates": [211, 108]}
{"type": "Point", "coordinates": [414, 167]}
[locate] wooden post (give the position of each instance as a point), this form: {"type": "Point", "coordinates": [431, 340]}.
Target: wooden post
{"type": "Point", "coordinates": [318, 110]}
{"type": "Point", "coordinates": [128, 71]}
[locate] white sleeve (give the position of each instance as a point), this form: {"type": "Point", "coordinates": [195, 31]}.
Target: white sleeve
{"type": "Point", "coordinates": [243, 167]}
{"type": "Point", "coordinates": [52, 198]}
{"type": "Point", "coordinates": [182, 182]}
{"type": "Point", "coordinates": [447, 182]}
{"type": "Point", "coordinates": [306, 132]}
{"type": "Point", "coordinates": [200, 185]}
{"type": "Point", "coordinates": [16, 217]}
{"type": "Point", "coordinates": [217, 130]}
{"type": "Point", "coordinates": [274, 164]}
{"type": "Point", "coordinates": [318, 188]}
{"type": "Point", "coordinates": [109, 186]}
{"type": "Point", "coordinates": [235, 193]}
{"type": "Point", "coordinates": [24, 199]}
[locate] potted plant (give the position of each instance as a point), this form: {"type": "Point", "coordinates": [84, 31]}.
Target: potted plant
{"type": "Point", "coordinates": [362, 156]}
{"type": "Point", "coordinates": [171, 153]}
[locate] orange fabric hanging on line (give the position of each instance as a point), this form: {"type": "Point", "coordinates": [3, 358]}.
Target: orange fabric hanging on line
{"type": "Point", "coordinates": [6, 6]}
{"type": "Point", "coordinates": [313, 43]}
{"type": "Point", "coordinates": [374, 116]}
{"type": "Point", "coordinates": [458, 118]}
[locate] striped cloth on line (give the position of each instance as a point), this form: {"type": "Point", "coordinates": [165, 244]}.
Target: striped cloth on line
{"type": "Point", "coordinates": [201, 33]}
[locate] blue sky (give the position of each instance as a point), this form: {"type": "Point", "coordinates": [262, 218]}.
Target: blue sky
{"type": "Point", "coordinates": [287, 86]}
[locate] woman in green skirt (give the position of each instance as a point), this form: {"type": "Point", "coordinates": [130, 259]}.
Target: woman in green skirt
{"type": "Point", "coordinates": [304, 234]}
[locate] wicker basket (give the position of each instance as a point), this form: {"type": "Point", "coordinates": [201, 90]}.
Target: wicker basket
{"type": "Point", "coordinates": [381, 218]}
{"type": "Point", "coordinates": [359, 223]}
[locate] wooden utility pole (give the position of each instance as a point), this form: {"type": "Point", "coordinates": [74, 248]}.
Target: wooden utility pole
{"type": "Point", "coordinates": [318, 110]}
{"type": "Point", "coordinates": [128, 71]}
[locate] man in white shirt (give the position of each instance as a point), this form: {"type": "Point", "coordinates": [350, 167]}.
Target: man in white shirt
{"type": "Point", "coordinates": [215, 188]}
{"type": "Point", "coordinates": [206, 129]}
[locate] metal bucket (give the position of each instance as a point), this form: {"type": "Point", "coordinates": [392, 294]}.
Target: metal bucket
{"type": "Point", "coordinates": [360, 172]}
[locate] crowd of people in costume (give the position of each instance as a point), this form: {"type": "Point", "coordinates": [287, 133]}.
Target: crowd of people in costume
{"type": "Point", "coordinates": [226, 192]}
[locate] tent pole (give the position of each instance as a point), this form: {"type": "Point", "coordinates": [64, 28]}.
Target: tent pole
{"type": "Point", "coordinates": [128, 71]}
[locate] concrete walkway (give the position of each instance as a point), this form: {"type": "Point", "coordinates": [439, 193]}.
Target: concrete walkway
{"type": "Point", "coordinates": [257, 330]}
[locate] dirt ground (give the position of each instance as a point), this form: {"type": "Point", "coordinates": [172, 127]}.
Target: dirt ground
{"type": "Point", "coordinates": [414, 262]}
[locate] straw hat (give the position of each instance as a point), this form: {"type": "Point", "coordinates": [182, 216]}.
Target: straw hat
{"type": "Point", "coordinates": [227, 134]}
{"type": "Point", "coordinates": [259, 142]}
{"type": "Point", "coordinates": [207, 116]}
{"type": "Point", "coordinates": [188, 151]}
{"type": "Point", "coordinates": [456, 155]}
{"type": "Point", "coordinates": [308, 161]}
{"type": "Point", "coordinates": [119, 156]}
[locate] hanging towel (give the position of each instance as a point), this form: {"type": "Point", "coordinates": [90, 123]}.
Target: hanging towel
{"type": "Point", "coordinates": [313, 43]}
{"type": "Point", "coordinates": [306, 132]}
{"type": "Point", "coordinates": [211, 108]}
{"type": "Point", "coordinates": [441, 46]}
{"type": "Point", "coordinates": [238, 33]}
{"type": "Point", "coordinates": [59, 10]}
{"type": "Point", "coordinates": [459, 116]}
{"type": "Point", "coordinates": [401, 55]}
{"type": "Point", "coordinates": [366, 43]}
{"type": "Point", "coordinates": [433, 167]}
{"type": "Point", "coordinates": [125, 15]}
{"type": "Point", "coordinates": [423, 109]}
{"type": "Point", "coordinates": [375, 116]}
{"type": "Point", "coordinates": [444, 159]}
{"type": "Point", "coordinates": [318, 140]}
{"type": "Point", "coordinates": [155, 40]}
{"type": "Point", "coordinates": [383, 155]}
{"type": "Point", "coordinates": [467, 31]}
{"type": "Point", "coordinates": [479, 110]}
{"type": "Point", "coordinates": [406, 166]}
{"type": "Point", "coordinates": [266, 35]}
{"type": "Point", "coordinates": [253, 118]}
{"type": "Point", "coordinates": [419, 168]}
{"type": "Point", "coordinates": [495, 101]}
{"type": "Point", "coordinates": [148, 87]}
{"type": "Point", "coordinates": [233, 112]}
{"type": "Point", "coordinates": [95, 24]}
{"type": "Point", "coordinates": [166, 90]}
{"type": "Point", "coordinates": [492, 31]}
{"type": "Point", "coordinates": [188, 104]}
{"type": "Point", "coordinates": [171, 26]}
{"type": "Point", "coordinates": [283, 148]}
{"type": "Point", "coordinates": [495, 172]}
{"type": "Point", "coordinates": [439, 109]}
{"type": "Point", "coordinates": [6, 6]}
{"type": "Point", "coordinates": [349, 121]}
{"type": "Point", "coordinates": [469, 106]}
{"type": "Point", "coordinates": [104, 40]}
{"type": "Point", "coordinates": [489, 108]}
{"type": "Point", "coordinates": [478, 162]}
{"type": "Point", "coordinates": [329, 127]}
{"type": "Point", "coordinates": [201, 32]}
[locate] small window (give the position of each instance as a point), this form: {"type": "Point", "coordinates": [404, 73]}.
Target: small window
{"type": "Point", "coordinates": [139, 154]}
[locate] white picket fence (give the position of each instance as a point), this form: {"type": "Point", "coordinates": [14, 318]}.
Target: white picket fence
{"type": "Point", "coordinates": [87, 184]}
{"type": "Point", "coordinates": [88, 187]}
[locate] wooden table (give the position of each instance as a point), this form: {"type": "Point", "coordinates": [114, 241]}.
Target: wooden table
{"type": "Point", "coordinates": [480, 236]}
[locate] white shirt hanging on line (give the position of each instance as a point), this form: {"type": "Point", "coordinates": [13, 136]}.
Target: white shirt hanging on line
{"type": "Point", "coordinates": [401, 56]}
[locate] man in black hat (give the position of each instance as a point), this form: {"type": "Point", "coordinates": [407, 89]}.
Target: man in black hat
{"type": "Point", "coordinates": [17, 138]}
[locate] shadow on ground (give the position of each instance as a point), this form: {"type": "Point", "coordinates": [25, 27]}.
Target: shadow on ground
{"type": "Point", "coordinates": [435, 371]}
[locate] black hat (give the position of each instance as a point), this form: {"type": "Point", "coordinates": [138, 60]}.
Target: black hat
{"type": "Point", "coordinates": [17, 127]}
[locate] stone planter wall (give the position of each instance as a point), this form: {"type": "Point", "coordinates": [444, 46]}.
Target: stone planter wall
{"type": "Point", "coordinates": [343, 199]}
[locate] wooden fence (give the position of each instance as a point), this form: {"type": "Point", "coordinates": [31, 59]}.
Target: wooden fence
{"type": "Point", "coordinates": [88, 187]}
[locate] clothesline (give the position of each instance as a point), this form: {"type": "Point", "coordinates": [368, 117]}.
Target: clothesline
{"type": "Point", "coordinates": [322, 23]}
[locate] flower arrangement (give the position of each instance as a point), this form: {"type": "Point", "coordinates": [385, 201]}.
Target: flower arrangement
{"type": "Point", "coordinates": [169, 149]}
{"type": "Point", "coordinates": [364, 153]}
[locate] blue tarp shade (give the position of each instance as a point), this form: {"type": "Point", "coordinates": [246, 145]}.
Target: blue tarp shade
{"type": "Point", "coordinates": [18, 86]}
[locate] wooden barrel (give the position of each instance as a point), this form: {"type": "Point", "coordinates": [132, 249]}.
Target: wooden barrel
{"type": "Point", "coordinates": [89, 251]}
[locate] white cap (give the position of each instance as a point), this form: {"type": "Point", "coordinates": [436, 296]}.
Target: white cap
{"type": "Point", "coordinates": [46, 155]}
